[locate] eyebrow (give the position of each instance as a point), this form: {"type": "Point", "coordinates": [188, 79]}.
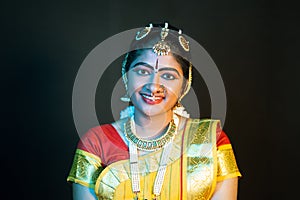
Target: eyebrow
{"type": "Point", "coordinates": [160, 69]}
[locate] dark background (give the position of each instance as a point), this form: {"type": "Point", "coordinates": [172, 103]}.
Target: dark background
{"type": "Point", "coordinates": [255, 45]}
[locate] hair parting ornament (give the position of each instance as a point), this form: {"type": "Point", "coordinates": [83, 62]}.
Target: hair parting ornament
{"type": "Point", "coordinates": [161, 48]}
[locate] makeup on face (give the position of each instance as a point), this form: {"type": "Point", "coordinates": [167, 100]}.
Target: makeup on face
{"type": "Point", "coordinates": [155, 82]}
{"type": "Point", "coordinates": [144, 68]}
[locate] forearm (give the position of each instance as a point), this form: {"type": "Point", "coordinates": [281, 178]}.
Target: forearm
{"type": "Point", "coordinates": [81, 192]}
{"type": "Point", "coordinates": [226, 190]}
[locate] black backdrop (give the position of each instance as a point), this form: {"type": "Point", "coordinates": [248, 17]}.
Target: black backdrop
{"type": "Point", "coordinates": [254, 44]}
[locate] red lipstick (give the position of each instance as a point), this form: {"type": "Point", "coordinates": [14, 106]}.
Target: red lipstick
{"type": "Point", "coordinates": [152, 100]}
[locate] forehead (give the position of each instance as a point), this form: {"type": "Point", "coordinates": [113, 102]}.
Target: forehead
{"type": "Point", "coordinates": [148, 56]}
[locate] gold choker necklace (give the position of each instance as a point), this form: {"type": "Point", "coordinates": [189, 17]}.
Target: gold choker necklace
{"type": "Point", "coordinates": [148, 145]}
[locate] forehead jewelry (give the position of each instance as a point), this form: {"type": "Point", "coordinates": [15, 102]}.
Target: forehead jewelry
{"type": "Point", "coordinates": [161, 48]}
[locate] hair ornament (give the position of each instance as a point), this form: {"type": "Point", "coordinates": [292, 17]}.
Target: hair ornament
{"type": "Point", "coordinates": [161, 48]}
{"type": "Point", "coordinates": [188, 85]}
{"type": "Point", "coordinates": [126, 97]}
{"type": "Point", "coordinates": [180, 110]}
{"type": "Point", "coordinates": [127, 112]}
{"type": "Point", "coordinates": [183, 42]}
{"type": "Point", "coordinates": [143, 33]}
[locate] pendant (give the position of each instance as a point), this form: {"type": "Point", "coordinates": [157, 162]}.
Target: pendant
{"type": "Point", "coordinates": [136, 196]}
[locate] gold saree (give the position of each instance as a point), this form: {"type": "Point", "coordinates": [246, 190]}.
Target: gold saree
{"type": "Point", "coordinates": [194, 167]}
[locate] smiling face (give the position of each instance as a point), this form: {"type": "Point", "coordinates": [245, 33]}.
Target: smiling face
{"type": "Point", "coordinates": [154, 83]}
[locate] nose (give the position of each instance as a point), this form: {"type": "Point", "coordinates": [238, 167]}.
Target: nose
{"type": "Point", "coordinates": [155, 86]}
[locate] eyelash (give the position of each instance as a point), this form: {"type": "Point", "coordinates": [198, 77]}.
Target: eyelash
{"type": "Point", "coordinates": [166, 76]}
{"type": "Point", "coordinates": [142, 72]}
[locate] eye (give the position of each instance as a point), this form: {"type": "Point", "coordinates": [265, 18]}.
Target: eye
{"type": "Point", "coordinates": [142, 72]}
{"type": "Point", "coordinates": [168, 76]}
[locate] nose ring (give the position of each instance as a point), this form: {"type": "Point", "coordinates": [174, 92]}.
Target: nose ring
{"type": "Point", "coordinates": [162, 89]}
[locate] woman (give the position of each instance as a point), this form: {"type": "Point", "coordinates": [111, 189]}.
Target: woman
{"type": "Point", "coordinates": [155, 151]}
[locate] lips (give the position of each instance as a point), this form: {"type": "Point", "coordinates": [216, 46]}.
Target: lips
{"type": "Point", "coordinates": [152, 100]}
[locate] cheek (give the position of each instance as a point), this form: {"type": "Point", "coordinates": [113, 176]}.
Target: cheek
{"type": "Point", "coordinates": [174, 89]}
{"type": "Point", "coordinates": [134, 82]}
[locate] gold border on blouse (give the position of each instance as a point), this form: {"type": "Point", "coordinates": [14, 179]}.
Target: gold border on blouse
{"type": "Point", "coordinates": [227, 166]}
{"type": "Point", "coordinates": [85, 169]}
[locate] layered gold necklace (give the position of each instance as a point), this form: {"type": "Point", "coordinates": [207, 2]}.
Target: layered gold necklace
{"type": "Point", "coordinates": [148, 145]}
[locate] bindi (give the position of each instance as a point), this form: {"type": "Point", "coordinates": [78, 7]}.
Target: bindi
{"type": "Point", "coordinates": [156, 66]}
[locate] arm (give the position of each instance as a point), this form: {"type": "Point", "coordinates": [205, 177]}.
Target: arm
{"type": "Point", "coordinates": [226, 189]}
{"type": "Point", "coordinates": [86, 167]}
{"type": "Point", "coordinates": [81, 192]}
{"type": "Point", "coordinates": [228, 172]}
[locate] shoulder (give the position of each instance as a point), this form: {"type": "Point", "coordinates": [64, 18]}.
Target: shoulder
{"type": "Point", "coordinates": [97, 132]}
{"type": "Point", "coordinates": [104, 130]}
{"type": "Point", "coordinates": [92, 140]}
{"type": "Point", "coordinates": [119, 125]}
{"type": "Point", "coordinates": [215, 125]}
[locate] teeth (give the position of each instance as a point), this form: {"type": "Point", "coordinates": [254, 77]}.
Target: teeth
{"type": "Point", "coordinates": [152, 98]}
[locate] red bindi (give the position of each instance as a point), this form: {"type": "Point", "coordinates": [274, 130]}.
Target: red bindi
{"type": "Point", "coordinates": [156, 66]}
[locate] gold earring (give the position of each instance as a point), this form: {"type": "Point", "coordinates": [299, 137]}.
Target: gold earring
{"type": "Point", "coordinates": [125, 98]}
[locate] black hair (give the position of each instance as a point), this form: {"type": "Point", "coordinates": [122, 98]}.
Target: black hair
{"type": "Point", "coordinates": [132, 55]}
{"type": "Point", "coordinates": [138, 47]}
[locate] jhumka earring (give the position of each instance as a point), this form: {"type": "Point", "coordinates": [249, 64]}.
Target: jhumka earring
{"type": "Point", "coordinates": [179, 108]}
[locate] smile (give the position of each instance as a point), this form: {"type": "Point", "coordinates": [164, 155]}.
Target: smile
{"type": "Point", "coordinates": [149, 99]}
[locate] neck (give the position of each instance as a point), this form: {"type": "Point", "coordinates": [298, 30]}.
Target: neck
{"type": "Point", "coordinates": [151, 126]}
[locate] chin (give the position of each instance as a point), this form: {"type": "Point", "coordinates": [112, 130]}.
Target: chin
{"type": "Point", "coordinates": [153, 110]}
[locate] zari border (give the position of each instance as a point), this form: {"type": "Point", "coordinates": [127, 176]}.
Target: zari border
{"type": "Point", "coordinates": [113, 175]}
{"type": "Point", "coordinates": [227, 163]}
{"type": "Point", "coordinates": [84, 165]}
{"type": "Point", "coordinates": [214, 125]}
{"type": "Point", "coordinates": [205, 135]}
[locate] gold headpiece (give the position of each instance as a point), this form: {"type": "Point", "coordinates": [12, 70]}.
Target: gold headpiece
{"type": "Point", "coordinates": [183, 42]}
{"type": "Point", "coordinates": [143, 33]}
{"type": "Point", "coordinates": [161, 48]}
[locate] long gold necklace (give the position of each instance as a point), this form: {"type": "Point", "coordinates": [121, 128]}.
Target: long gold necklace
{"type": "Point", "coordinates": [134, 166]}
{"type": "Point", "coordinates": [148, 145]}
